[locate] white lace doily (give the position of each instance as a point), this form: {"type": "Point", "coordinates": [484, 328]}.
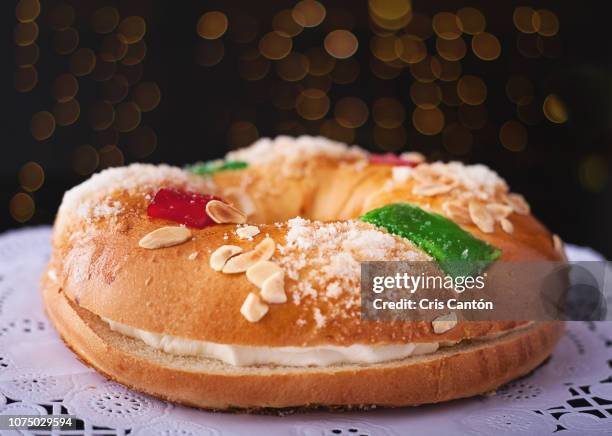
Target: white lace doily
{"type": "Point", "coordinates": [570, 395]}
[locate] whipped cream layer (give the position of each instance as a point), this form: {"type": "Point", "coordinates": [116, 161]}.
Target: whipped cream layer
{"type": "Point", "coordinates": [245, 355]}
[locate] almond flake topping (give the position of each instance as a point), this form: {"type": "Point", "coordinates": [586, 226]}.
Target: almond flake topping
{"type": "Point", "coordinates": [259, 272]}
{"type": "Point", "coordinates": [253, 309]}
{"type": "Point", "coordinates": [559, 246]}
{"type": "Point", "coordinates": [444, 323]}
{"type": "Point", "coordinates": [273, 289]}
{"type": "Point", "coordinates": [247, 232]}
{"type": "Point", "coordinates": [518, 203]}
{"type": "Point", "coordinates": [457, 212]}
{"type": "Point", "coordinates": [506, 225]}
{"type": "Point", "coordinates": [429, 190]}
{"type": "Point", "coordinates": [481, 217]}
{"type": "Point", "coordinates": [223, 213]}
{"type": "Point", "coordinates": [165, 237]}
{"type": "Point", "coordinates": [222, 254]}
{"type": "Point", "coordinates": [263, 251]}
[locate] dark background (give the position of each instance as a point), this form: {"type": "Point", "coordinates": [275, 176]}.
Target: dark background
{"type": "Point", "coordinates": [563, 170]}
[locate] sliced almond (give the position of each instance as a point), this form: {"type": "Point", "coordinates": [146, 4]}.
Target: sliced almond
{"type": "Point", "coordinates": [259, 272]}
{"type": "Point", "coordinates": [165, 237]}
{"type": "Point", "coordinates": [431, 189]}
{"type": "Point", "coordinates": [223, 213]}
{"type": "Point", "coordinates": [222, 254]}
{"type": "Point", "coordinates": [559, 246]}
{"type": "Point", "coordinates": [506, 225]}
{"type": "Point", "coordinates": [263, 251]}
{"type": "Point", "coordinates": [444, 323]}
{"type": "Point", "coordinates": [247, 232]}
{"type": "Point", "coordinates": [499, 210]}
{"type": "Point", "coordinates": [253, 309]}
{"type": "Point", "coordinates": [273, 289]}
{"type": "Point", "coordinates": [401, 175]}
{"type": "Point", "coordinates": [456, 211]}
{"type": "Point", "coordinates": [413, 156]}
{"type": "Point", "coordinates": [481, 217]}
{"type": "Point", "coordinates": [518, 203]}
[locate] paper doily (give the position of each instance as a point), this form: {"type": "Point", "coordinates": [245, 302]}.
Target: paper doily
{"type": "Point", "coordinates": [569, 395]}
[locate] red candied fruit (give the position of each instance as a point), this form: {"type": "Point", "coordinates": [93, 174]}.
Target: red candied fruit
{"type": "Point", "coordinates": [183, 207]}
{"type": "Point", "coordinates": [391, 159]}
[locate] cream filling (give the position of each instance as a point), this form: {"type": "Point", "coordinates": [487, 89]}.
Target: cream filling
{"type": "Point", "coordinates": [245, 355]}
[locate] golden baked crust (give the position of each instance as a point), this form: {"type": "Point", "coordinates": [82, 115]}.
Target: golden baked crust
{"type": "Point", "coordinates": [469, 369]}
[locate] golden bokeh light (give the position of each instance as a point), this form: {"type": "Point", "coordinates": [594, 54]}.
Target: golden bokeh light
{"type": "Point", "coordinates": [244, 29]}
{"type": "Point", "coordinates": [549, 23]}
{"type": "Point", "coordinates": [486, 46]}
{"type": "Point", "coordinates": [519, 89]}
{"type": "Point", "coordinates": [25, 78]}
{"type": "Point", "coordinates": [115, 89]}
{"type": "Point", "coordinates": [390, 9]}
{"type": "Point", "coordinates": [103, 70]}
{"type": "Point", "coordinates": [383, 47]}
{"type": "Point", "coordinates": [209, 52]}
{"type": "Point", "coordinates": [472, 90]}
{"type": "Point", "coordinates": [593, 173]}
{"type": "Point", "coordinates": [241, 134]}
{"type": "Point", "coordinates": [27, 10]}
{"type": "Point", "coordinates": [472, 117]}
{"type": "Point", "coordinates": [105, 19]}
{"type": "Point", "coordinates": [25, 33]}
{"type": "Point", "coordinates": [428, 121]}
{"type": "Point", "coordinates": [425, 95]}
{"type": "Point", "coordinates": [31, 176]}
{"type": "Point", "coordinates": [320, 63]}
{"type": "Point", "coordinates": [113, 48]}
{"type": "Point", "coordinates": [388, 112]}
{"type": "Point", "coordinates": [554, 109]}
{"type": "Point", "coordinates": [345, 71]}
{"type": "Point", "coordinates": [384, 70]}
{"type": "Point", "coordinates": [308, 13]}
{"type": "Point", "coordinates": [212, 25]}
{"type": "Point", "coordinates": [293, 67]}
{"type": "Point", "coordinates": [451, 49]}
{"type": "Point", "coordinates": [513, 135]}
{"type": "Point", "coordinates": [85, 160]}
{"type": "Point", "coordinates": [410, 49]}
{"type": "Point", "coordinates": [127, 116]}
{"type": "Point", "coordinates": [82, 62]}
{"type": "Point", "coordinates": [253, 66]}
{"type": "Point", "coordinates": [132, 29]}
{"type": "Point", "coordinates": [312, 104]}
{"type": "Point", "coordinates": [27, 55]}
{"type": "Point", "coordinates": [135, 53]}
{"type": "Point", "coordinates": [341, 44]}
{"type": "Point", "coordinates": [426, 70]}
{"type": "Point", "coordinates": [110, 156]}
{"type": "Point", "coordinates": [529, 45]}
{"type": "Point", "coordinates": [351, 112]}
{"type": "Point", "coordinates": [274, 45]}
{"type": "Point", "coordinates": [65, 41]}
{"type": "Point", "coordinates": [147, 96]}
{"type": "Point", "coordinates": [67, 112]}
{"type": "Point", "coordinates": [21, 207]}
{"type": "Point", "coordinates": [457, 139]}
{"type": "Point", "coordinates": [142, 142]}
{"type": "Point", "coordinates": [471, 21]}
{"type": "Point", "coordinates": [61, 16]}
{"type": "Point", "coordinates": [101, 116]}
{"type": "Point", "coordinates": [42, 125]}
{"type": "Point", "coordinates": [446, 25]}
{"type": "Point", "coordinates": [449, 70]}
{"type": "Point", "coordinates": [284, 23]}
{"type": "Point", "coordinates": [333, 130]}
{"type": "Point", "coordinates": [526, 19]}
{"type": "Point", "coordinates": [390, 139]}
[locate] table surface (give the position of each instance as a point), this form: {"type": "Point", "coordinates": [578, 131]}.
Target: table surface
{"type": "Point", "coordinates": [571, 394]}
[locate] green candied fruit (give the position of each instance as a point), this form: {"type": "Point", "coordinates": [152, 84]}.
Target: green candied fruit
{"type": "Point", "coordinates": [211, 167]}
{"type": "Point", "coordinates": [457, 252]}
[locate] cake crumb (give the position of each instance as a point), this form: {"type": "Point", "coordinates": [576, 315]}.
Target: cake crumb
{"type": "Point", "coordinates": [193, 255]}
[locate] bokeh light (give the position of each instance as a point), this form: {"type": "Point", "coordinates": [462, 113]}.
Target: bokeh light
{"type": "Point", "coordinates": [27, 10]}
{"type": "Point", "coordinates": [21, 207]}
{"type": "Point", "coordinates": [554, 109]}
{"type": "Point", "coordinates": [42, 125]}
{"type": "Point", "coordinates": [212, 25]}
{"type": "Point", "coordinates": [425, 95]}
{"type": "Point", "coordinates": [351, 112]}
{"type": "Point", "coordinates": [293, 67]}
{"type": "Point", "coordinates": [65, 41]}
{"type": "Point", "coordinates": [513, 135]}
{"type": "Point", "coordinates": [284, 23]}
{"type": "Point", "coordinates": [312, 104]}
{"type": "Point", "coordinates": [341, 44]}
{"type": "Point", "coordinates": [61, 16]}
{"type": "Point", "coordinates": [274, 45]}
{"type": "Point", "coordinates": [410, 49]}
{"type": "Point", "coordinates": [209, 52]}
{"type": "Point", "coordinates": [428, 121]}
{"type": "Point", "coordinates": [308, 13]}
{"type": "Point", "coordinates": [486, 46]}
{"type": "Point", "coordinates": [147, 96]}
{"type": "Point", "coordinates": [127, 116]}
{"type": "Point", "coordinates": [471, 21]}
{"type": "Point", "coordinates": [110, 156]}
{"type": "Point", "coordinates": [593, 173]}
{"type": "Point", "coordinates": [142, 142]}
{"type": "Point", "coordinates": [25, 33]}
{"type": "Point", "coordinates": [31, 176]}
{"type": "Point", "coordinates": [241, 134]}
{"type": "Point", "coordinates": [333, 130]}
{"type": "Point", "coordinates": [446, 25]}
{"type": "Point", "coordinates": [101, 116]}
{"type": "Point", "coordinates": [27, 55]}
{"type": "Point", "coordinates": [451, 49]}
{"type": "Point", "coordinates": [85, 160]}
{"type": "Point", "coordinates": [67, 112]}
{"type": "Point", "coordinates": [132, 29]}
{"type": "Point", "coordinates": [388, 112]}
{"type": "Point", "coordinates": [526, 19]}
{"type": "Point", "coordinates": [25, 78]}
{"type": "Point", "coordinates": [471, 90]}
{"type": "Point", "coordinates": [105, 20]}
{"type": "Point", "coordinates": [82, 62]}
